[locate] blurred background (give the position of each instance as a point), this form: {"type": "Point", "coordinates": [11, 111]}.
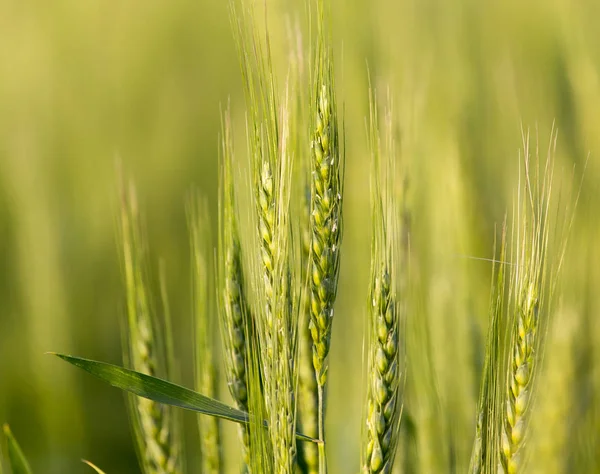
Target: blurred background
{"type": "Point", "coordinates": [86, 83]}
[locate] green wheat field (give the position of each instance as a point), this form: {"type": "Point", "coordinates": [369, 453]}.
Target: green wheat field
{"type": "Point", "coordinates": [300, 237]}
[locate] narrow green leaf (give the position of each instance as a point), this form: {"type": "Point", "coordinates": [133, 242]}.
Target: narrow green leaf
{"type": "Point", "coordinates": [93, 466]}
{"type": "Point", "coordinates": [156, 389]}
{"type": "Point", "coordinates": [18, 463]}
{"type": "Point", "coordinates": [161, 391]}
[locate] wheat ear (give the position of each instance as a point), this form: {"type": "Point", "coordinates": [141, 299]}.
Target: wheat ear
{"type": "Point", "coordinates": [280, 308]}
{"type": "Point", "coordinates": [385, 347]}
{"type": "Point", "coordinates": [308, 457]}
{"type": "Point", "coordinates": [233, 307]}
{"type": "Point", "coordinates": [156, 427]}
{"type": "Point", "coordinates": [203, 311]}
{"type": "Point", "coordinates": [276, 276]}
{"type": "Point", "coordinates": [489, 416]}
{"type": "Point", "coordinates": [528, 311]}
{"type": "Point", "coordinates": [326, 217]}
{"type": "Point", "coordinates": [308, 408]}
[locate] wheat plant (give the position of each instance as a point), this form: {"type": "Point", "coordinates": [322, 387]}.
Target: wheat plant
{"type": "Point", "coordinates": [204, 317]}
{"type": "Point", "coordinates": [308, 457]}
{"type": "Point", "coordinates": [516, 336]}
{"type": "Point", "coordinates": [276, 275]}
{"type": "Point", "coordinates": [149, 350]}
{"type": "Point", "coordinates": [384, 340]}
{"type": "Point", "coordinates": [236, 322]}
{"type": "Point", "coordinates": [326, 215]}
{"type": "Point", "coordinates": [274, 285]}
{"type": "Point", "coordinates": [528, 312]}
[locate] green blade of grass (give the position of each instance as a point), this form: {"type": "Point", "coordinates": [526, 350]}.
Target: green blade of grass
{"type": "Point", "coordinates": [93, 466]}
{"type": "Point", "coordinates": [16, 458]}
{"type": "Point", "coordinates": [161, 391]}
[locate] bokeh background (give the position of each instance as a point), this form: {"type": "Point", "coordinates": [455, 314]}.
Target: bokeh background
{"type": "Point", "coordinates": [84, 84]}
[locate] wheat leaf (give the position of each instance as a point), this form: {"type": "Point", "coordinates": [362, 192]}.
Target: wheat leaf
{"type": "Point", "coordinates": [17, 461]}
{"type": "Point", "coordinates": [161, 391]}
{"type": "Point", "coordinates": [93, 466]}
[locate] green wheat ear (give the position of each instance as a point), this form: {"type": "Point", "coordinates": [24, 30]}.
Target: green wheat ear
{"type": "Point", "coordinates": [148, 350]}
{"type": "Point", "coordinates": [308, 457]}
{"type": "Point", "coordinates": [528, 311]}
{"type": "Point", "coordinates": [275, 276]}
{"type": "Point", "coordinates": [489, 410]}
{"type": "Point", "coordinates": [236, 322]}
{"type": "Point", "coordinates": [325, 215]}
{"type": "Point", "coordinates": [204, 311]}
{"type": "Point", "coordinates": [385, 340]}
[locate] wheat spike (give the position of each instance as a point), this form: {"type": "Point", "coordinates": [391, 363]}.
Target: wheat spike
{"type": "Point", "coordinates": [385, 347]}
{"type": "Point", "coordinates": [326, 217]}
{"type": "Point", "coordinates": [275, 275]}
{"type": "Point", "coordinates": [528, 313]}
{"type": "Point", "coordinates": [233, 307]}
{"type": "Point", "coordinates": [203, 300]}
{"type": "Point", "coordinates": [149, 352]}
